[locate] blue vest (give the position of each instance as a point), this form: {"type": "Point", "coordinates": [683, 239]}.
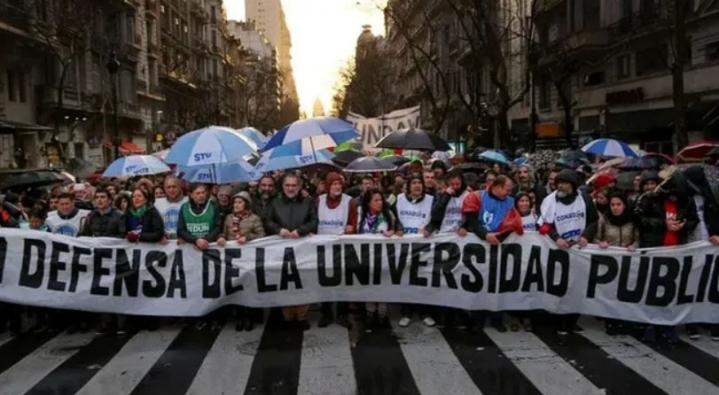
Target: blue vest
{"type": "Point", "coordinates": [493, 210]}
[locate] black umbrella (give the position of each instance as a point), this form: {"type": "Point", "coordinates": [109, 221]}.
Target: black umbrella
{"type": "Point", "coordinates": [415, 139]}
{"type": "Point", "coordinates": [369, 164]}
{"type": "Point", "coordinates": [642, 163]}
{"type": "Point", "coordinates": [397, 160]}
{"type": "Point", "coordinates": [572, 159]}
{"type": "Point", "coordinates": [28, 179]}
{"type": "Point", "coordinates": [343, 158]}
{"type": "Point", "coordinates": [625, 180]}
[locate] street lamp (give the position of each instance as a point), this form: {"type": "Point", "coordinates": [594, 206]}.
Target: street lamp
{"type": "Point", "coordinates": [113, 66]}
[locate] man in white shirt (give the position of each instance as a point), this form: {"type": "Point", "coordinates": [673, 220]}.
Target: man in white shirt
{"type": "Point", "coordinates": [414, 212]}
{"type": "Point", "coordinates": [67, 219]}
{"type": "Point", "coordinates": [169, 206]}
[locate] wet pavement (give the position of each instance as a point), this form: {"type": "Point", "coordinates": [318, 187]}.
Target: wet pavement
{"type": "Point", "coordinates": [274, 359]}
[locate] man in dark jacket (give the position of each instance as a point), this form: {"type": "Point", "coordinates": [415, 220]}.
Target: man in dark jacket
{"type": "Point", "coordinates": [266, 192]}
{"type": "Point", "coordinates": [104, 220]}
{"type": "Point", "coordinates": [667, 217]}
{"type": "Point", "coordinates": [292, 216]}
{"type": "Point", "coordinates": [289, 214]}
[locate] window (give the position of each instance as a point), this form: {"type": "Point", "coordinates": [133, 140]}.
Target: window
{"type": "Point", "coordinates": [623, 66]}
{"type": "Point", "coordinates": [627, 8]}
{"type": "Point", "coordinates": [712, 51]}
{"type": "Point", "coordinates": [21, 86]}
{"type": "Point", "coordinates": [79, 150]}
{"type": "Point", "coordinates": [651, 60]}
{"type": "Point", "coordinates": [11, 86]}
{"type": "Point", "coordinates": [594, 78]}
{"type": "Point", "coordinates": [648, 12]}
{"type": "Point", "coordinates": [592, 12]}
{"type": "Point", "coordinates": [545, 92]}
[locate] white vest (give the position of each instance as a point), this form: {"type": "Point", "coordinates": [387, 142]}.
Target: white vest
{"type": "Point", "coordinates": [529, 222]}
{"type": "Point", "coordinates": [453, 214]}
{"type": "Point", "coordinates": [332, 221]}
{"type": "Point", "coordinates": [569, 220]}
{"type": "Point", "coordinates": [67, 227]}
{"type": "Point", "coordinates": [414, 216]}
{"type": "Point", "coordinates": [170, 213]}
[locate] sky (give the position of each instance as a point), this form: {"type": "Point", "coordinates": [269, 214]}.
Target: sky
{"type": "Point", "coordinates": [324, 35]}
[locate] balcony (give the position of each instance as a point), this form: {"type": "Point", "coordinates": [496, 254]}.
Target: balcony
{"type": "Point", "coordinates": [151, 9]}
{"type": "Point", "coordinates": [578, 44]}
{"type": "Point", "coordinates": [129, 110]}
{"type": "Point", "coordinates": [587, 39]}
{"type": "Point", "coordinates": [47, 97]}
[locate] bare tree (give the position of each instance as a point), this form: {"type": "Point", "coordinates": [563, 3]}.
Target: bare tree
{"type": "Point", "coordinates": [421, 39]}
{"type": "Point", "coordinates": [497, 34]}
{"type": "Point", "coordinates": [64, 30]}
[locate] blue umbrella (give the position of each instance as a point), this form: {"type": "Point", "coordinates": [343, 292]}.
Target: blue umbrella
{"type": "Point", "coordinates": [255, 135]}
{"type": "Point", "coordinates": [211, 145]}
{"type": "Point", "coordinates": [268, 162]}
{"type": "Point", "coordinates": [222, 173]}
{"type": "Point", "coordinates": [135, 165]}
{"type": "Point", "coordinates": [307, 136]}
{"type": "Point", "coordinates": [609, 147]}
{"type": "Point", "coordinates": [494, 156]}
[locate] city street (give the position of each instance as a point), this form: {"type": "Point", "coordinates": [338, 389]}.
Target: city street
{"type": "Point", "coordinates": [417, 359]}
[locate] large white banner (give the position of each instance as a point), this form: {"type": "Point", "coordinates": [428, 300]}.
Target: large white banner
{"type": "Point", "coordinates": [374, 129]}
{"type": "Point", "coordinates": [659, 285]}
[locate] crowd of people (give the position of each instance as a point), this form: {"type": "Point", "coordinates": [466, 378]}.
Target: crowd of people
{"type": "Point", "coordinates": [421, 198]}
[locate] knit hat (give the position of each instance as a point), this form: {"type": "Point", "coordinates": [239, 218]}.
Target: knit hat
{"type": "Point", "coordinates": [649, 175]}
{"type": "Point", "coordinates": [570, 176]}
{"type": "Point", "coordinates": [332, 177]}
{"type": "Point", "coordinates": [603, 180]}
{"type": "Point", "coordinates": [245, 196]}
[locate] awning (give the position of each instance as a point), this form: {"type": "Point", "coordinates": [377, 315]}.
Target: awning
{"type": "Point", "coordinates": [19, 126]}
{"type": "Point", "coordinates": [128, 148]}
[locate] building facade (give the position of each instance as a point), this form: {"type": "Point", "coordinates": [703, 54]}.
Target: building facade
{"type": "Point", "coordinates": [80, 80]}
{"type": "Point", "coordinates": [604, 67]}
{"type": "Point", "coordinates": [269, 18]}
{"type": "Point", "coordinates": [588, 67]}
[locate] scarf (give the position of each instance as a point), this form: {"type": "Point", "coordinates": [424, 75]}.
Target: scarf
{"type": "Point", "coordinates": [138, 212]}
{"type": "Point", "coordinates": [619, 220]}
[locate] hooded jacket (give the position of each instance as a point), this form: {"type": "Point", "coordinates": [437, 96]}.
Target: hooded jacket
{"type": "Point", "coordinates": [652, 216]}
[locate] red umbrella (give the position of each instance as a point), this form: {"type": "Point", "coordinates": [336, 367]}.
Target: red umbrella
{"type": "Point", "coordinates": [697, 151]}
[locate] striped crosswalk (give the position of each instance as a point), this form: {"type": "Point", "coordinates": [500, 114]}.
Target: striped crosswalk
{"type": "Point", "coordinates": [273, 359]}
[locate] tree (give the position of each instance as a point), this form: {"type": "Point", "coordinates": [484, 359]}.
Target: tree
{"type": "Point", "coordinates": [421, 38]}
{"type": "Point", "coordinates": [63, 29]}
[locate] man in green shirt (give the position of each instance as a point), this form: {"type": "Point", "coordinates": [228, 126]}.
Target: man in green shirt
{"type": "Point", "coordinates": [200, 222]}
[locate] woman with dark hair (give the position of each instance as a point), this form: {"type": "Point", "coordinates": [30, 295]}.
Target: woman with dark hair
{"type": "Point", "coordinates": [525, 206]}
{"type": "Point", "coordinates": [376, 218]}
{"type": "Point", "coordinates": [616, 227]}
{"type": "Point", "coordinates": [142, 220]}
{"type": "Point", "coordinates": [242, 226]}
{"type": "Point", "coordinates": [122, 202]}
